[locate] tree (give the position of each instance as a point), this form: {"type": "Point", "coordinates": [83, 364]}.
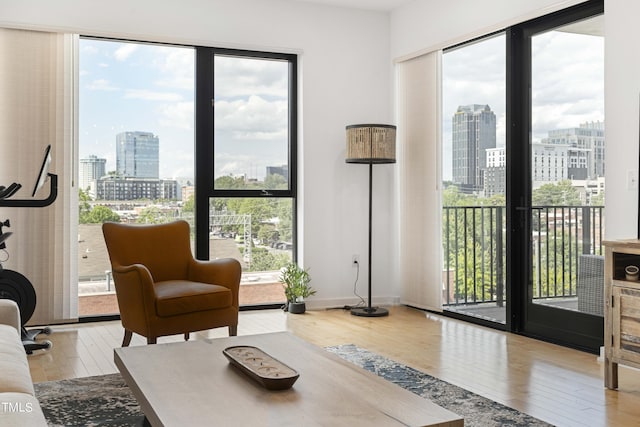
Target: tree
{"type": "Point", "coordinates": [150, 215]}
{"type": "Point", "coordinates": [189, 204]}
{"type": "Point", "coordinates": [228, 182]}
{"type": "Point", "coordinates": [275, 182]}
{"type": "Point", "coordinates": [101, 214]}
{"type": "Point", "coordinates": [561, 193]}
{"type": "Point", "coordinates": [597, 199]}
{"type": "Point", "coordinates": [84, 207]}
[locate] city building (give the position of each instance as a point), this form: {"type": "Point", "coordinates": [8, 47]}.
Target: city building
{"type": "Point", "coordinates": [279, 170]}
{"type": "Point", "coordinates": [473, 132]}
{"type": "Point", "coordinates": [550, 163]}
{"type": "Point", "coordinates": [137, 155]}
{"type": "Point", "coordinates": [586, 149]}
{"type": "Point", "coordinates": [91, 169]}
{"type": "Point", "coordinates": [127, 188]}
{"type": "Point", "coordinates": [495, 175]}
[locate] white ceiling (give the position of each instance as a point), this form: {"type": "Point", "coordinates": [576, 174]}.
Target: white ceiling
{"type": "Point", "coordinates": [379, 5]}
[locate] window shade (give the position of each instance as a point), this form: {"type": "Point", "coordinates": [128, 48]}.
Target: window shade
{"type": "Point", "coordinates": [419, 163]}
{"type": "Point", "coordinates": [36, 109]}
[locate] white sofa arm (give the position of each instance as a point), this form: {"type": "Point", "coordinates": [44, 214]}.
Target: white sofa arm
{"type": "Point", "coordinates": [10, 314]}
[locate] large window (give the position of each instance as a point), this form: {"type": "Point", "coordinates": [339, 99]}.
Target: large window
{"type": "Point", "coordinates": [142, 153]}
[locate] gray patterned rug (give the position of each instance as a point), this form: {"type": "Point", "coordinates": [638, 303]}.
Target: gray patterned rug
{"type": "Point", "coordinates": [106, 400]}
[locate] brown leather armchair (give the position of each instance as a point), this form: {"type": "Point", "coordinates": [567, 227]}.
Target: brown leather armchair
{"type": "Point", "coordinates": [161, 289]}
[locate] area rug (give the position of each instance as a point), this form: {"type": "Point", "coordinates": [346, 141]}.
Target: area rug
{"type": "Point", "coordinates": [107, 401]}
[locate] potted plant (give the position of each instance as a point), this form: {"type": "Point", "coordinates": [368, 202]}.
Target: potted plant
{"type": "Point", "coordinates": [296, 280]}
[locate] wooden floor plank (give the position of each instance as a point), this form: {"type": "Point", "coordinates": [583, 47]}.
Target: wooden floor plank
{"type": "Point", "coordinates": [562, 386]}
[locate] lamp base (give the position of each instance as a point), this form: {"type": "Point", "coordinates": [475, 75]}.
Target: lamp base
{"type": "Point", "coordinates": [369, 311]}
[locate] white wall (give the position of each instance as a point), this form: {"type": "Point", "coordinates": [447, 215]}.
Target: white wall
{"type": "Point", "coordinates": [422, 27]}
{"type": "Point", "coordinates": [622, 97]}
{"type": "Point", "coordinates": [345, 79]}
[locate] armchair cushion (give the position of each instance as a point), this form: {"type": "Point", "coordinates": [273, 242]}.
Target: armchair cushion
{"type": "Point", "coordinates": [174, 297]}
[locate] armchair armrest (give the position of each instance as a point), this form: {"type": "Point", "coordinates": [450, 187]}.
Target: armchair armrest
{"type": "Point", "coordinates": [224, 272]}
{"type": "Point", "coordinates": [10, 314]}
{"type": "Point", "coordinates": [135, 293]}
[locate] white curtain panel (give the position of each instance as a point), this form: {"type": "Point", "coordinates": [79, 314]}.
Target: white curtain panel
{"type": "Point", "coordinates": [419, 165]}
{"type": "Point", "coordinates": [37, 78]}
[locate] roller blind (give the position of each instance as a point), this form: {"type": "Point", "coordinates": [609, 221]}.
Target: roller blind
{"type": "Point", "coordinates": [419, 131]}
{"type": "Point", "coordinates": [36, 109]}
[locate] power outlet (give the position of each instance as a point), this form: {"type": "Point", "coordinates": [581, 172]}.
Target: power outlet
{"type": "Point", "coordinates": [355, 260]}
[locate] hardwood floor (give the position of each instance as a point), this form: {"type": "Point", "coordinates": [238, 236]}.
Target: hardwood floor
{"type": "Point", "coordinates": [562, 386]}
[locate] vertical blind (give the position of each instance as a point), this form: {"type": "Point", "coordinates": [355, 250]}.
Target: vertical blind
{"type": "Point", "coordinates": [36, 109]}
{"type": "Point", "coordinates": [419, 134]}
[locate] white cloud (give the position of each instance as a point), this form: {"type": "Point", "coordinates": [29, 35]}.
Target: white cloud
{"type": "Point", "coordinates": [254, 118]}
{"type": "Point", "coordinates": [89, 49]}
{"type": "Point", "coordinates": [125, 51]}
{"type": "Point", "coordinates": [176, 66]}
{"type": "Point", "coordinates": [245, 76]}
{"type": "Point", "coordinates": [177, 115]}
{"type": "Point", "coordinates": [101, 84]}
{"type": "Point", "coordinates": [150, 95]}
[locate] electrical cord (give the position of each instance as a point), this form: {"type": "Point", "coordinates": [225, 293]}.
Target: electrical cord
{"type": "Point", "coordinates": [362, 302]}
{"type": "Point", "coordinates": [355, 290]}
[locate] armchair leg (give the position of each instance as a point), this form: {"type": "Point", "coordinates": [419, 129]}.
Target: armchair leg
{"type": "Point", "coordinates": [186, 336]}
{"type": "Point", "coordinates": [233, 331]}
{"type": "Point", "coordinates": [151, 340]}
{"type": "Point", "coordinates": [127, 338]}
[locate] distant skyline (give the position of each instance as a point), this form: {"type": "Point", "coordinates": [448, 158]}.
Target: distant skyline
{"type": "Point", "coordinates": [567, 88]}
{"type": "Point", "coordinates": [137, 87]}
{"type": "Point", "coordinates": [150, 88]}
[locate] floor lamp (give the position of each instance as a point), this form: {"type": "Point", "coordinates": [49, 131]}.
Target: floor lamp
{"type": "Point", "coordinates": [370, 144]}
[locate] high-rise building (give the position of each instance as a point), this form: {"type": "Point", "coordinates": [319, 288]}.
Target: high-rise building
{"type": "Point", "coordinates": [586, 149]}
{"type": "Point", "coordinates": [91, 169]}
{"type": "Point", "coordinates": [473, 132]}
{"type": "Point", "coordinates": [137, 155]}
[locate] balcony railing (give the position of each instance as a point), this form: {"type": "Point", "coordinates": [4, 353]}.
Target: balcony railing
{"type": "Point", "coordinates": [474, 246]}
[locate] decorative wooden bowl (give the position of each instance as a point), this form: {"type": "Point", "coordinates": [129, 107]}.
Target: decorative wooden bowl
{"type": "Point", "coordinates": [267, 371]}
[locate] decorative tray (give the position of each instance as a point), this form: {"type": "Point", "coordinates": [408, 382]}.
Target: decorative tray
{"type": "Point", "coordinates": [267, 371]}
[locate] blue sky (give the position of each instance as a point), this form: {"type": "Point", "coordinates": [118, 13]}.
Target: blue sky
{"type": "Point", "coordinates": [143, 87]}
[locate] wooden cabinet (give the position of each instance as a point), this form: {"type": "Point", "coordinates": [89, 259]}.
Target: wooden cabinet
{"type": "Point", "coordinates": [622, 309]}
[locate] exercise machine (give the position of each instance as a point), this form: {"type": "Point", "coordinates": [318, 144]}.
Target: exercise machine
{"type": "Point", "coordinates": [14, 285]}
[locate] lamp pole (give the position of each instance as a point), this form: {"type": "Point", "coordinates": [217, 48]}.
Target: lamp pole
{"type": "Point", "coordinates": [370, 311]}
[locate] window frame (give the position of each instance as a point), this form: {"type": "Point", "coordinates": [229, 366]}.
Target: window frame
{"type": "Point", "coordinates": [205, 142]}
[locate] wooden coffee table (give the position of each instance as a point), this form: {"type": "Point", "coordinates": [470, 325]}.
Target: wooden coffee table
{"type": "Point", "coordinates": [193, 384]}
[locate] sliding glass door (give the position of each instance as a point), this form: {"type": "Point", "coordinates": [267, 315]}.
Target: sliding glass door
{"type": "Point", "coordinates": [566, 163]}
{"type": "Point", "coordinates": [523, 169]}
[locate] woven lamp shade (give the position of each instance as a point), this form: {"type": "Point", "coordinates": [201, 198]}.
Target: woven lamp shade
{"type": "Point", "coordinates": [371, 144]}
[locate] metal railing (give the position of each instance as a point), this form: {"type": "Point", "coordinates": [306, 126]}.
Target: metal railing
{"type": "Point", "coordinates": [474, 243]}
